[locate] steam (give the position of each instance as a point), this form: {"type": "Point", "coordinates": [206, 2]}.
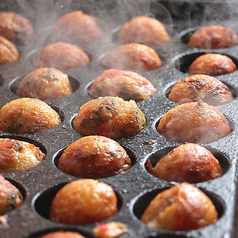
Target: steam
{"type": "Point", "coordinates": [112, 14]}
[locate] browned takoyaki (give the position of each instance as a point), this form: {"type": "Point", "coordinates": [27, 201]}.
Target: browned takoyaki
{"type": "Point", "coordinates": [194, 122]}
{"type": "Point", "coordinates": [83, 202]}
{"type": "Point", "coordinates": [14, 26]}
{"type": "Point", "coordinates": [134, 57]}
{"type": "Point", "coordinates": [28, 115]}
{"type": "Point", "coordinates": [94, 157]}
{"type": "Point", "coordinates": [190, 163]}
{"type": "Point", "coordinates": [201, 87]}
{"type": "Point", "coordinates": [144, 30]}
{"type": "Point", "coordinates": [109, 116]}
{"type": "Point", "coordinates": [62, 234]}
{"type": "Point", "coordinates": [180, 208]}
{"type": "Point", "coordinates": [124, 84]}
{"type": "Point", "coordinates": [62, 56]}
{"type": "Point", "coordinates": [10, 196]}
{"type": "Point", "coordinates": [8, 51]}
{"type": "Point", "coordinates": [110, 230]}
{"type": "Point", "coordinates": [213, 37]}
{"type": "Point", "coordinates": [212, 64]}
{"type": "Point", "coordinates": [16, 155]}
{"type": "Point", "coordinates": [45, 83]}
{"type": "Point", "coordinates": [77, 28]}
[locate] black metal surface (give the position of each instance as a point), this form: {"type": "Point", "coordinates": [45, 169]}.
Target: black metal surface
{"type": "Point", "coordinates": [136, 187]}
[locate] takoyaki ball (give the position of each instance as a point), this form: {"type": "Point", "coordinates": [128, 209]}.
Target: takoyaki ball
{"type": "Point", "coordinates": [94, 157]}
{"type": "Point", "coordinates": [16, 155]}
{"type": "Point", "coordinates": [10, 196]}
{"type": "Point", "coordinates": [144, 30]}
{"type": "Point", "coordinates": [83, 202]}
{"type": "Point", "coordinates": [212, 64]}
{"type": "Point", "coordinates": [180, 208]}
{"type": "Point", "coordinates": [213, 37]}
{"type": "Point", "coordinates": [109, 116]}
{"type": "Point", "coordinates": [201, 87]}
{"type": "Point", "coordinates": [62, 234]}
{"type": "Point", "coordinates": [14, 26]}
{"type": "Point", "coordinates": [45, 83]}
{"type": "Point", "coordinates": [27, 116]}
{"type": "Point", "coordinates": [8, 51]}
{"type": "Point", "coordinates": [194, 122]}
{"type": "Point", "coordinates": [110, 230]}
{"type": "Point", "coordinates": [62, 56]}
{"type": "Point", "coordinates": [190, 163]}
{"type": "Point", "coordinates": [77, 28]}
{"type": "Point", "coordinates": [124, 84]}
{"type": "Point", "coordinates": [136, 57]}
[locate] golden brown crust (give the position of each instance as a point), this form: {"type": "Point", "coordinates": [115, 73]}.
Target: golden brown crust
{"type": "Point", "coordinates": [94, 157]}
{"type": "Point", "coordinates": [62, 234]}
{"type": "Point", "coordinates": [127, 85]}
{"type": "Point", "coordinates": [62, 56]}
{"type": "Point", "coordinates": [190, 163]}
{"type": "Point", "coordinates": [136, 57]}
{"type": "Point", "coordinates": [83, 202]}
{"type": "Point", "coordinates": [27, 115]}
{"type": "Point", "coordinates": [77, 28]}
{"type": "Point", "coordinates": [212, 64]}
{"type": "Point", "coordinates": [14, 26]}
{"type": "Point", "coordinates": [109, 116]}
{"type": "Point", "coordinates": [45, 83]}
{"type": "Point", "coordinates": [144, 30]}
{"type": "Point", "coordinates": [201, 87]}
{"type": "Point", "coordinates": [8, 51]}
{"type": "Point", "coordinates": [180, 208]}
{"type": "Point", "coordinates": [16, 155]}
{"type": "Point", "coordinates": [213, 37]}
{"type": "Point", "coordinates": [10, 196]}
{"type": "Point", "coordinates": [194, 122]}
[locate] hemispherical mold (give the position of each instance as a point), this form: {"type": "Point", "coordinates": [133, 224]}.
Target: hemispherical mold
{"type": "Point", "coordinates": [183, 61]}
{"type": "Point", "coordinates": [59, 111]}
{"type": "Point", "coordinates": [42, 201]}
{"type": "Point", "coordinates": [154, 158]}
{"type": "Point", "coordinates": [185, 35]}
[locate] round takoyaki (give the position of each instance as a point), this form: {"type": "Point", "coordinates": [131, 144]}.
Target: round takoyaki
{"type": "Point", "coordinates": [83, 202]}
{"type": "Point", "coordinates": [127, 85]}
{"type": "Point", "coordinates": [134, 57]}
{"type": "Point", "coordinates": [144, 30]}
{"type": "Point", "coordinates": [194, 122]}
{"type": "Point", "coordinates": [212, 64]}
{"type": "Point", "coordinates": [109, 116]}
